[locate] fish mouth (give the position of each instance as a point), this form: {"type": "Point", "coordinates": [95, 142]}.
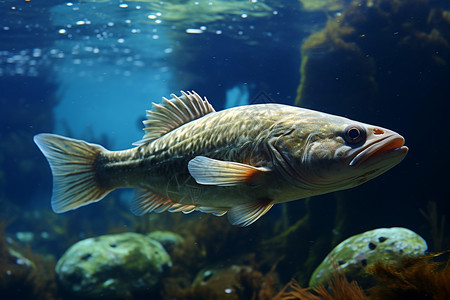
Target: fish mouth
{"type": "Point", "coordinates": [390, 148]}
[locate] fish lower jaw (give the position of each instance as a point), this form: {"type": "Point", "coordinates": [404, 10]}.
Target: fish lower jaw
{"type": "Point", "coordinates": [391, 146]}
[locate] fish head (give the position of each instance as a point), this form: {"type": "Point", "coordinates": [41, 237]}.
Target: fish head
{"type": "Point", "coordinates": [332, 153]}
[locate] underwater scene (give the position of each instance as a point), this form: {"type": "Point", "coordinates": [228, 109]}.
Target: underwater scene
{"type": "Point", "coordinates": [241, 149]}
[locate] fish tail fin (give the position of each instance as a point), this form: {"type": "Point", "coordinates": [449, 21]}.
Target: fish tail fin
{"type": "Point", "coordinates": [73, 166]}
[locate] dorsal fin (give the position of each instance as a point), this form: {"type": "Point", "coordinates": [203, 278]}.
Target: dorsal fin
{"type": "Point", "coordinates": [173, 113]}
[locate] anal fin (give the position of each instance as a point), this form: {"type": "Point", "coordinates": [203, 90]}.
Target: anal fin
{"type": "Point", "coordinates": [213, 210]}
{"type": "Point", "coordinates": [146, 201]}
{"type": "Point", "coordinates": [246, 214]}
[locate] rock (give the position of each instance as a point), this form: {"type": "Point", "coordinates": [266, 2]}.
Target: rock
{"type": "Point", "coordinates": [167, 238]}
{"type": "Point", "coordinates": [112, 266]}
{"type": "Point", "coordinates": [222, 280]}
{"type": "Point", "coordinates": [355, 254]}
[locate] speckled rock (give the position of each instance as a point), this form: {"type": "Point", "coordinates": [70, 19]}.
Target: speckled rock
{"type": "Point", "coordinates": [167, 238]}
{"type": "Point", "coordinates": [355, 254]}
{"type": "Point", "coordinates": [112, 266]}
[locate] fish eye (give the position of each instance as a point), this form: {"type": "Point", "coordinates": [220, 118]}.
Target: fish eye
{"type": "Point", "coordinates": [354, 134]}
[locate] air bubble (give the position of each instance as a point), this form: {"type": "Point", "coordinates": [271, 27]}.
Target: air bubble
{"type": "Point", "coordinates": [37, 52]}
{"type": "Point", "coordinates": [194, 30]}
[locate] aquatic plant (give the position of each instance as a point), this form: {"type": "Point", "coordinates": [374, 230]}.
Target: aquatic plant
{"type": "Point", "coordinates": [415, 278]}
{"type": "Point", "coordinates": [356, 53]}
{"type": "Point", "coordinates": [27, 276]}
{"type": "Point", "coordinates": [423, 277]}
{"type": "Point", "coordinates": [339, 288]}
{"type": "Point", "coordinates": [436, 224]}
{"type": "Point", "coordinates": [232, 283]}
{"type": "Point", "coordinates": [306, 241]}
{"type": "Point", "coordinates": [256, 285]}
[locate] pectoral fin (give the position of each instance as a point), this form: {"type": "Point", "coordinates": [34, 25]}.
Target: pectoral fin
{"type": "Point", "coordinates": [248, 213]}
{"type": "Point", "coordinates": [208, 171]}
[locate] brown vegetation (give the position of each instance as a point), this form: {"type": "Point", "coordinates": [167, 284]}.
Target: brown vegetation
{"type": "Point", "coordinates": [20, 280]}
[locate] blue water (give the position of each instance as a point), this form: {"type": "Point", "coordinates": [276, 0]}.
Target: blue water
{"type": "Point", "coordinates": [90, 69]}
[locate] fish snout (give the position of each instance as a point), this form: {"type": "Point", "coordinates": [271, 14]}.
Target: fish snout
{"type": "Point", "coordinates": [382, 145]}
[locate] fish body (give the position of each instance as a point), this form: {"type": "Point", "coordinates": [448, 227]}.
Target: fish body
{"type": "Point", "coordinates": [240, 161]}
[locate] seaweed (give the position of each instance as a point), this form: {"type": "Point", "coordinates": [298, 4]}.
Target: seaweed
{"type": "Point", "coordinates": [247, 283]}
{"type": "Point", "coordinates": [30, 277]}
{"type": "Point", "coordinates": [436, 224]}
{"type": "Point", "coordinates": [256, 285]}
{"type": "Point", "coordinates": [209, 241]}
{"type": "Point", "coordinates": [415, 278]}
{"type": "Point", "coordinates": [423, 277]}
{"type": "Point", "coordinates": [339, 288]}
{"type": "Point", "coordinates": [306, 241]}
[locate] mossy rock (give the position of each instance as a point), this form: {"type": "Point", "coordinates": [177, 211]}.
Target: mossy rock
{"type": "Point", "coordinates": [112, 266]}
{"type": "Point", "coordinates": [167, 238]}
{"type": "Point", "coordinates": [353, 256]}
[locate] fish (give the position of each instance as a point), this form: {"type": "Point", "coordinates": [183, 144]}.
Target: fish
{"type": "Point", "coordinates": [238, 161]}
